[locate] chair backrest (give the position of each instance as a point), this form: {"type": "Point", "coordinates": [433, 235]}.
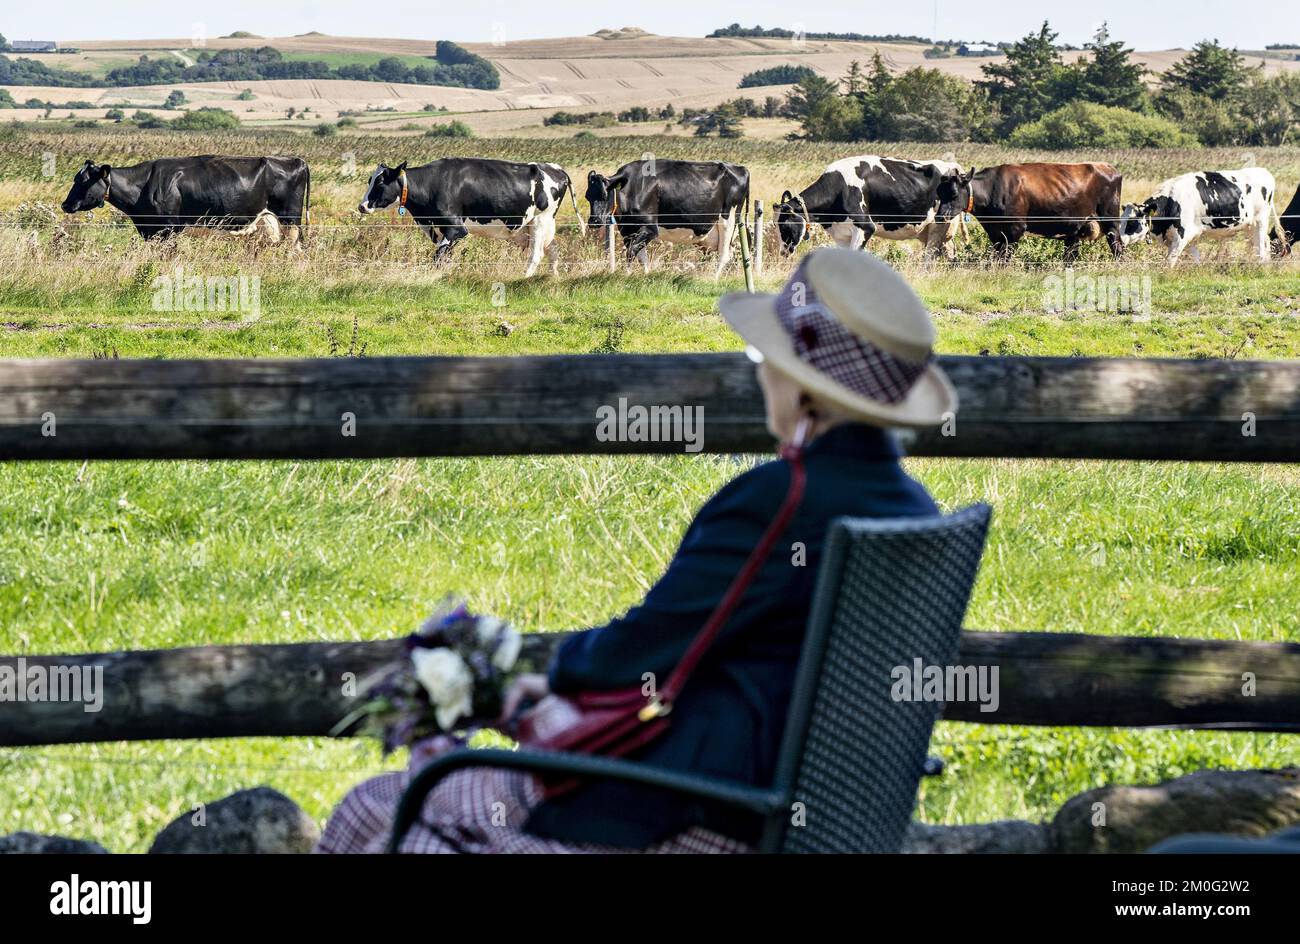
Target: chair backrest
{"type": "Point", "coordinates": [890, 592]}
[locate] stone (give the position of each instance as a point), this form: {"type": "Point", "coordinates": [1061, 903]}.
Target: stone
{"type": "Point", "coordinates": [1133, 819]}
{"type": "Point", "coordinates": [1003, 836]}
{"type": "Point", "coordinates": [259, 821]}
{"type": "Point", "coordinates": [38, 844]}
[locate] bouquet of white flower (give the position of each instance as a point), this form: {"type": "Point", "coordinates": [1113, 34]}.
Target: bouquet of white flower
{"type": "Point", "coordinates": [457, 666]}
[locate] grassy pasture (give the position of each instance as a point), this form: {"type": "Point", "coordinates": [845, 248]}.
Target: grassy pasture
{"type": "Point", "coordinates": [133, 555]}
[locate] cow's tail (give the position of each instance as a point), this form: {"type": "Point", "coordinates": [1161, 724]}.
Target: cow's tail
{"type": "Point", "coordinates": [573, 201]}
{"type": "Point", "coordinates": [744, 212]}
{"type": "Point", "coordinates": [306, 206]}
{"type": "Point", "coordinates": [1278, 233]}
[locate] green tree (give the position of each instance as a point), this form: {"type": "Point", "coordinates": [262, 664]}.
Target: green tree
{"type": "Point", "coordinates": [855, 80]}
{"type": "Point", "coordinates": [175, 100]}
{"type": "Point", "coordinates": [823, 114]}
{"type": "Point", "coordinates": [1215, 122]}
{"type": "Point", "coordinates": [1108, 77]}
{"type": "Point", "coordinates": [776, 75]}
{"type": "Point", "coordinates": [391, 69]}
{"type": "Point", "coordinates": [929, 105]}
{"type": "Point", "coordinates": [1270, 107]}
{"type": "Point", "coordinates": [1209, 69]}
{"type": "Point", "coordinates": [1027, 85]}
{"type": "Point", "coordinates": [880, 77]}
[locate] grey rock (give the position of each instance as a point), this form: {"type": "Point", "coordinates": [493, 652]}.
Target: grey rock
{"type": "Point", "coordinates": [257, 821]}
{"type": "Point", "coordinates": [1240, 802]}
{"type": "Point", "coordinates": [1003, 836]}
{"type": "Point", "coordinates": [38, 844]}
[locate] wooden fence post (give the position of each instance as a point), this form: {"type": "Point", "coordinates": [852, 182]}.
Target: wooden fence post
{"type": "Point", "coordinates": [758, 237]}
{"type": "Point", "coordinates": [746, 260]}
{"type": "Point", "coordinates": [609, 244]}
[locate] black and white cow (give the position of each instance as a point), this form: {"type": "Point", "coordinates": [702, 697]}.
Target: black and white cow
{"type": "Point", "coordinates": [1205, 205]}
{"type": "Point", "coordinates": [859, 197]}
{"type": "Point", "coordinates": [455, 197]}
{"type": "Point", "coordinates": [164, 196]}
{"type": "Point", "coordinates": [695, 202]}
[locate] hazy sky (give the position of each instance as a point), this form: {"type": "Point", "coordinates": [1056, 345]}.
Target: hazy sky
{"type": "Point", "coordinates": [1144, 24]}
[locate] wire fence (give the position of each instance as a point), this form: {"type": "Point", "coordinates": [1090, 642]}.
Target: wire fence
{"type": "Point", "coordinates": [696, 218]}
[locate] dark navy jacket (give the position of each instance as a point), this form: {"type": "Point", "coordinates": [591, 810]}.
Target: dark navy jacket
{"type": "Point", "coordinates": [729, 720]}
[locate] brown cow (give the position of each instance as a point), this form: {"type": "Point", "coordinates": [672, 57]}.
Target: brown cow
{"type": "Point", "coordinates": [1072, 202]}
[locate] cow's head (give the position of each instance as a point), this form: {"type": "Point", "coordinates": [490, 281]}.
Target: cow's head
{"type": "Point", "coordinates": [89, 188]}
{"type": "Point", "coordinates": [952, 195]}
{"type": "Point", "coordinates": [1135, 222]}
{"type": "Point", "coordinates": [601, 195]}
{"type": "Point", "coordinates": [384, 189]}
{"type": "Point", "coordinates": [792, 222]}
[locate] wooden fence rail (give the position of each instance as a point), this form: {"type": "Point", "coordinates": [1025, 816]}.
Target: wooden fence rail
{"type": "Point", "coordinates": [1013, 407]}
{"type": "Point", "coordinates": [298, 689]}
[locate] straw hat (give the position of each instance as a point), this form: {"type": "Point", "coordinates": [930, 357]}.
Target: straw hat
{"type": "Point", "coordinates": [850, 331]}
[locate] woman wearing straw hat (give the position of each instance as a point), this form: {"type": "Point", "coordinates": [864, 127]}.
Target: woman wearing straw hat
{"type": "Point", "coordinates": [844, 352]}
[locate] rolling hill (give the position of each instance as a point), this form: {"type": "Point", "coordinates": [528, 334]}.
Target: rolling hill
{"type": "Point", "coordinates": [609, 70]}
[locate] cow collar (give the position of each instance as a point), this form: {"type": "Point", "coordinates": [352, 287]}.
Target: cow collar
{"type": "Point", "coordinates": [401, 203]}
{"type": "Point", "coordinates": [970, 203]}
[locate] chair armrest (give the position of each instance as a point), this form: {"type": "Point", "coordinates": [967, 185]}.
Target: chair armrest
{"type": "Point", "coordinates": [728, 792]}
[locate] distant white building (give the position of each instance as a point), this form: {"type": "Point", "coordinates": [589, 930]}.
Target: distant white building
{"type": "Point", "coordinates": [33, 45]}
{"type": "Point", "coordinates": [977, 49]}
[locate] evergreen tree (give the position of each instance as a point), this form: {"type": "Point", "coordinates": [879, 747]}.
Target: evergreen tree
{"type": "Point", "coordinates": [822, 112]}
{"type": "Point", "coordinates": [1108, 77]}
{"type": "Point", "coordinates": [855, 82]}
{"type": "Point", "coordinates": [1209, 70]}
{"type": "Point", "coordinates": [881, 78]}
{"type": "Point", "coordinates": [1027, 85]}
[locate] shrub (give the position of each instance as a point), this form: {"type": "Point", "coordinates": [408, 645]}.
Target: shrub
{"type": "Point", "coordinates": [777, 75]}
{"type": "Point", "coordinates": [453, 129]}
{"type": "Point", "coordinates": [144, 119]}
{"type": "Point", "coordinates": [346, 122]}
{"type": "Point", "coordinates": [206, 119]}
{"type": "Point", "coordinates": [325, 130]}
{"type": "Point", "coordinates": [1083, 124]}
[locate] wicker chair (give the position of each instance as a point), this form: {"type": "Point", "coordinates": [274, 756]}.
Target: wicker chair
{"type": "Point", "coordinates": [890, 591]}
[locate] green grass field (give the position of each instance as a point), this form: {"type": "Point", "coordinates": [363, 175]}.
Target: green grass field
{"type": "Point", "coordinates": [107, 556]}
